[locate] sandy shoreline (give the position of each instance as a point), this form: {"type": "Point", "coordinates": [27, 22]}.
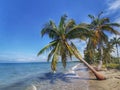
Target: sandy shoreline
{"type": "Point", "coordinates": [111, 83]}
{"type": "Point", "coordinates": [78, 78]}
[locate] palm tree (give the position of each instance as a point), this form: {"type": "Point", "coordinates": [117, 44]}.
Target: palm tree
{"type": "Point", "coordinates": [107, 50]}
{"type": "Point", "coordinates": [90, 50]}
{"type": "Point", "coordinates": [99, 26]}
{"type": "Point", "coordinates": [61, 46]}
{"type": "Point", "coordinates": [116, 41]}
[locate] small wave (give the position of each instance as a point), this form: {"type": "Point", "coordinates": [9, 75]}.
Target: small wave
{"type": "Point", "coordinates": [31, 87]}
{"type": "Point", "coordinates": [71, 73]}
{"type": "Point", "coordinates": [74, 67]}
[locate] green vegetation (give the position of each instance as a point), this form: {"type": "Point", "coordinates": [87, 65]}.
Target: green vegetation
{"type": "Point", "coordinates": [61, 46]}
{"type": "Point", "coordinates": [98, 45]}
{"type": "Point", "coordinates": [113, 66]}
{"type": "Point", "coordinates": [60, 35]}
{"type": "Point", "coordinates": [116, 41]}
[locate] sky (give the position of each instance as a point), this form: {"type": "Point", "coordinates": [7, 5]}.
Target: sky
{"type": "Point", "coordinates": [22, 20]}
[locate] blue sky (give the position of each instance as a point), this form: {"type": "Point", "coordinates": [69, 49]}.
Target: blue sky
{"type": "Point", "coordinates": [22, 20]}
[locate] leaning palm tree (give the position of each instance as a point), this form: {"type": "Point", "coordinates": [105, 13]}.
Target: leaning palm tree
{"type": "Point", "coordinates": [61, 46]}
{"type": "Point", "coordinates": [99, 26]}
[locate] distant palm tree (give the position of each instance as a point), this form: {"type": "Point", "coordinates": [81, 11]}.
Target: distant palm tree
{"type": "Point", "coordinates": [107, 50]}
{"type": "Point", "coordinates": [99, 25]}
{"type": "Point", "coordinates": [116, 41]}
{"type": "Point", "coordinates": [61, 46]}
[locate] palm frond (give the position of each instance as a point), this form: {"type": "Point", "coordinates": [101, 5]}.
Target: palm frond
{"type": "Point", "coordinates": [69, 24]}
{"type": "Point", "coordinates": [50, 54]}
{"type": "Point", "coordinates": [115, 41]}
{"type": "Point", "coordinates": [54, 62]}
{"type": "Point", "coordinates": [47, 47]}
{"type": "Point", "coordinates": [50, 29]}
{"type": "Point", "coordinates": [73, 45]}
{"type": "Point", "coordinates": [55, 57]}
{"type": "Point", "coordinates": [100, 14]}
{"type": "Point", "coordinates": [64, 59]}
{"type": "Point", "coordinates": [62, 23]}
{"type": "Point", "coordinates": [91, 16]}
{"type": "Point", "coordinates": [104, 21]}
{"type": "Point", "coordinates": [113, 24]}
{"type": "Point", "coordinates": [110, 29]}
{"type": "Point", "coordinates": [52, 24]}
{"type": "Point", "coordinates": [104, 37]}
{"type": "Point", "coordinates": [77, 32]}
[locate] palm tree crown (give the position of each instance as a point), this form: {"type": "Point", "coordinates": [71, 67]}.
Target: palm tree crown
{"type": "Point", "coordinates": [66, 30]}
{"type": "Point", "coordinates": [99, 26]}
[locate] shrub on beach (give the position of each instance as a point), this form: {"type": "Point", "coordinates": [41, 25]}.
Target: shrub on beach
{"type": "Point", "coordinates": [113, 66]}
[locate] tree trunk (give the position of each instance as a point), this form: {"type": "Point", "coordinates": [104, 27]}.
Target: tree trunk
{"type": "Point", "coordinates": [117, 50]}
{"type": "Point", "coordinates": [98, 75]}
{"type": "Point", "coordinates": [101, 59]}
{"type": "Point", "coordinates": [118, 55]}
{"type": "Point", "coordinates": [100, 65]}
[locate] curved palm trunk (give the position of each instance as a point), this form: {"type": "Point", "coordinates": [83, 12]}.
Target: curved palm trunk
{"type": "Point", "coordinates": [98, 75]}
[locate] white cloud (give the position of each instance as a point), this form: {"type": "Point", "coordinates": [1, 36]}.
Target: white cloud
{"type": "Point", "coordinates": [113, 10]}
{"type": "Point", "coordinates": [20, 57]}
{"type": "Point", "coordinates": [114, 4]}
{"type": "Point", "coordinates": [117, 20]}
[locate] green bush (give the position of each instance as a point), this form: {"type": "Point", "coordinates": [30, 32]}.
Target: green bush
{"type": "Point", "coordinates": [113, 66]}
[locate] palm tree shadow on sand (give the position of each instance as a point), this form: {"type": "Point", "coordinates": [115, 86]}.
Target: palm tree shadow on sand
{"type": "Point", "coordinates": [50, 78]}
{"type": "Point", "coordinates": [53, 77]}
{"type": "Point", "coordinates": [68, 77]}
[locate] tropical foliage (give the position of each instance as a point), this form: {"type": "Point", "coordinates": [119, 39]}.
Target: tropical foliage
{"type": "Point", "coordinates": [116, 41]}
{"type": "Point", "coordinates": [99, 26]}
{"type": "Point", "coordinates": [60, 48]}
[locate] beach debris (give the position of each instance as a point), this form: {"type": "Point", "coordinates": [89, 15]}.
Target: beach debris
{"type": "Point", "coordinates": [117, 77]}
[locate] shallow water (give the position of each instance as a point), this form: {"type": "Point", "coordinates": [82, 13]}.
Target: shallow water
{"type": "Point", "coordinates": [62, 80]}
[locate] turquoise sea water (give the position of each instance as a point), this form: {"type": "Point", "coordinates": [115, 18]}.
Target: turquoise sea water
{"type": "Point", "coordinates": [11, 73]}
